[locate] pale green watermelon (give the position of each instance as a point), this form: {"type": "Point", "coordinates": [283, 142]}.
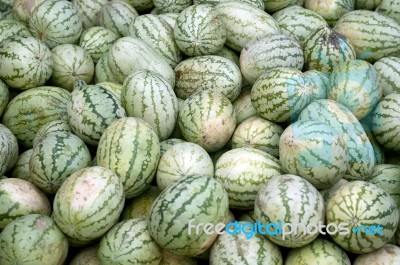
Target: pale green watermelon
{"type": "Point", "coordinates": [102, 72]}
{"type": "Point", "coordinates": [113, 87]}
{"type": "Point", "coordinates": [57, 126]}
{"type": "Point", "coordinates": [387, 177]}
{"type": "Point", "coordinates": [166, 144]}
{"type": "Point", "coordinates": [272, 6]}
{"type": "Point", "coordinates": [22, 9]}
{"type": "Point", "coordinates": [388, 69]}
{"type": "Point", "coordinates": [331, 11]}
{"type": "Point", "coordinates": [228, 53]}
{"type": "Point", "coordinates": [390, 8]}
{"type": "Point", "coordinates": [97, 41]}
{"type": "Point", "coordinates": [243, 106]}
{"type": "Point", "coordinates": [87, 11]}
{"type": "Point", "coordinates": [319, 83]}
{"type": "Point", "coordinates": [170, 18]}
{"type": "Point", "coordinates": [11, 27]}
{"type": "Point", "coordinates": [174, 6]}
{"type": "Point", "coordinates": [256, 3]}
{"type": "Point", "coordinates": [8, 149]}
{"type": "Point", "coordinates": [329, 192]}
{"type": "Point", "coordinates": [21, 167]}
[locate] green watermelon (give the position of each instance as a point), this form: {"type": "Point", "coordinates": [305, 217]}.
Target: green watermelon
{"type": "Point", "coordinates": [131, 149]}
{"type": "Point", "coordinates": [174, 6]}
{"type": "Point", "coordinates": [139, 207]}
{"type": "Point", "coordinates": [319, 83]}
{"type": "Point", "coordinates": [390, 8]}
{"type": "Point", "coordinates": [97, 41]}
{"type": "Point", "coordinates": [387, 177]}
{"type": "Point", "coordinates": [19, 198]}
{"type": "Point", "coordinates": [56, 22]}
{"type": "Point", "coordinates": [388, 69]}
{"type": "Point", "coordinates": [166, 144]}
{"type": "Point", "coordinates": [113, 87]}
{"type": "Point", "coordinates": [331, 11]}
{"type": "Point", "coordinates": [88, 204]}
{"type": "Point", "coordinates": [272, 6]}
{"type": "Point", "coordinates": [86, 256]}
{"type": "Point", "coordinates": [87, 11]}
{"type": "Point", "coordinates": [57, 126]}
{"type": "Point", "coordinates": [389, 254]}
{"type": "Point", "coordinates": [228, 53]}
{"type": "Point", "coordinates": [170, 18]}
{"type": "Point", "coordinates": [21, 168]}
{"type": "Point", "coordinates": [32, 240]}
{"type": "Point", "coordinates": [12, 28]}
{"type": "Point", "coordinates": [243, 106]}
{"type": "Point", "coordinates": [102, 72]}
{"type": "Point", "coordinates": [359, 203]}
{"type": "Point", "coordinates": [8, 149]}
{"type": "Point", "coordinates": [256, 3]}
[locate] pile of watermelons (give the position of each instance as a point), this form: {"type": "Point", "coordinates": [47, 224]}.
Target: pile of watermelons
{"type": "Point", "coordinates": [180, 132]}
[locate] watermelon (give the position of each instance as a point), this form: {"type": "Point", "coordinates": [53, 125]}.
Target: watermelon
{"type": "Point", "coordinates": [208, 72]}
{"type": "Point", "coordinates": [390, 8]}
{"type": "Point", "coordinates": [320, 251]}
{"type": "Point", "coordinates": [116, 16]}
{"type": "Point", "coordinates": [244, 22]}
{"type": "Point", "coordinates": [243, 171]}
{"type": "Point", "coordinates": [169, 258]}
{"type": "Point", "coordinates": [331, 11]}
{"type": "Point", "coordinates": [170, 18]}
{"type": "Point", "coordinates": [241, 249]}
{"type": "Point", "coordinates": [4, 97]}
{"type": "Point", "coordinates": [208, 119]}
{"type": "Point", "coordinates": [113, 87]}
{"type": "Point", "coordinates": [359, 203]}
{"type": "Point", "coordinates": [199, 31]}
{"type": "Point", "coordinates": [131, 149]}
{"type": "Point", "coordinates": [57, 126]}
{"type": "Point", "coordinates": [256, 3]}
{"type": "Point", "coordinates": [102, 72]}
{"type": "Point", "coordinates": [324, 49]}
{"type": "Point", "coordinates": [315, 151]}
{"type": "Point", "coordinates": [129, 242]}
{"type": "Point", "coordinates": [21, 168]}
{"type": "Point", "coordinates": [88, 204]}
{"type": "Point", "coordinates": [355, 84]}
{"type": "Point", "coordinates": [147, 95]}
{"type": "Point", "coordinates": [49, 168]}
{"type": "Point", "coordinates": [389, 254]}
{"type": "Point", "coordinates": [139, 207]}
{"type": "Point", "coordinates": [8, 149]}
{"type": "Point", "coordinates": [387, 177]}
{"type": "Point", "coordinates": [12, 28]}
{"type": "Point", "coordinates": [360, 153]}
{"type": "Point", "coordinates": [362, 27]}
{"type": "Point", "coordinates": [25, 62]}
{"type": "Point", "coordinates": [87, 114]}
{"type": "Point", "coordinates": [272, 6]}
{"type": "Point", "coordinates": [379, 152]}
{"type": "Point", "coordinates": [56, 22]}
{"type": "Point", "coordinates": [386, 122]}
{"type": "Point", "coordinates": [319, 83]}
{"type": "Point", "coordinates": [200, 199]}
{"type": "Point", "coordinates": [183, 160]}
{"type": "Point", "coordinates": [329, 192]}
{"type": "Point", "coordinates": [367, 4]}
{"type": "Point", "coordinates": [19, 198]}
{"type": "Point", "coordinates": [141, 5]}
{"type": "Point", "coordinates": [86, 256]}
{"type": "Point", "coordinates": [33, 239]}
{"type": "Point", "coordinates": [243, 106]}
{"type": "Point", "coordinates": [174, 6]}
{"type": "Point", "coordinates": [70, 64]}
{"type": "Point", "coordinates": [258, 133]}
{"type": "Point", "coordinates": [292, 200]}
{"type": "Point", "coordinates": [166, 144]}
{"type": "Point", "coordinates": [87, 11]}
{"type": "Point", "coordinates": [97, 41]}
{"type": "Point", "coordinates": [298, 22]}
{"type": "Point", "coordinates": [228, 53]}
{"type": "Point", "coordinates": [22, 9]}
{"type": "Point", "coordinates": [280, 94]}
{"type": "Point", "coordinates": [129, 54]}
{"type": "Point", "coordinates": [388, 69]}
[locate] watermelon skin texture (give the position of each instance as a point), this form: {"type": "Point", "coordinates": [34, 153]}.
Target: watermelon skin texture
{"type": "Point", "coordinates": [388, 69]}
{"type": "Point", "coordinates": [12, 28]}
{"type": "Point", "coordinates": [129, 242]}
{"type": "Point", "coordinates": [174, 6]}
{"type": "Point", "coordinates": [87, 11]}
{"type": "Point", "coordinates": [8, 149]}
{"type": "Point", "coordinates": [88, 204]}
{"type": "Point", "coordinates": [130, 148]}
{"type": "Point", "coordinates": [361, 157]}
{"type": "Point", "coordinates": [57, 126]}
{"type": "Point", "coordinates": [21, 167]}
{"type": "Point", "coordinates": [200, 198]}
{"type": "Point", "coordinates": [361, 203]}
{"type": "Point", "coordinates": [331, 11]}
{"type": "Point", "coordinates": [102, 71]}
{"type": "Point", "coordinates": [33, 239]}
{"type": "Point", "coordinates": [33, 108]}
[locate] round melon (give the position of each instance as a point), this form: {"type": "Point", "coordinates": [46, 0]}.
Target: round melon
{"type": "Point", "coordinates": [331, 11]}
{"type": "Point", "coordinates": [12, 28]}
{"type": "Point", "coordinates": [166, 144]}
{"type": "Point", "coordinates": [22, 9]}
{"type": "Point", "coordinates": [175, 6]}
{"type": "Point", "coordinates": [388, 69]}
{"type": "Point", "coordinates": [387, 177]}
{"type": "Point", "coordinates": [8, 149]}
{"type": "Point", "coordinates": [87, 11]}
{"type": "Point", "coordinates": [113, 87]}
{"type": "Point", "coordinates": [97, 41]}
{"type": "Point", "coordinates": [21, 167]}
{"type": "Point", "coordinates": [102, 72]}
{"type": "Point", "coordinates": [243, 106]}
{"type": "Point", "coordinates": [57, 126]}
{"type": "Point", "coordinates": [319, 82]}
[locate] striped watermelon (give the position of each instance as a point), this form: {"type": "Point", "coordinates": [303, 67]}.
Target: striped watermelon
{"type": "Point", "coordinates": [4, 97]}
{"type": "Point", "coordinates": [360, 154]}
{"type": "Point", "coordinates": [198, 31]}
{"type": "Point", "coordinates": [22, 9]}
{"type": "Point", "coordinates": [131, 149]}
{"type": "Point", "coordinates": [367, 4]}
{"type": "Point", "coordinates": [379, 151]}
{"type": "Point", "coordinates": [319, 82]}
{"type": "Point", "coordinates": [298, 22]}
{"type": "Point", "coordinates": [174, 6]}
{"type": "Point", "coordinates": [329, 192]}
{"type": "Point", "coordinates": [390, 8]}
{"type": "Point", "coordinates": [290, 199]}
{"type": "Point", "coordinates": [31, 109]}
{"type": "Point", "coordinates": [86, 256]}
{"type": "Point", "coordinates": [19, 198]}
{"type": "Point", "coordinates": [25, 63]}
{"type": "Point", "coordinates": [56, 22]}
{"type": "Point", "coordinates": [141, 5]}
{"type": "Point", "coordinates": [129, 54]}
{"type": "Point", "coordinates": [198, 198]}
{"type": "Point", "coordinates": [243, 171]}
{"type": "Point", "coordinates": [238, 249]}
{"type": "Point", "coordinates": [166, 144]}
{"type": "Point", "coordinates": [87, 11]}
{"type": "Point", "coordinates": [314, 151]}
{"type": "Point", "coordinates": [361, 28]}
{"type": "Point", "coordinates": [269, 52]}
{"type": "Point", "coordinates": [88, 204]}
{"type": "Point", "coordinates": [228, 53]}
{"type": "Point", "coordinates": [256, 3]}
{"type": "Point", "coordinates": [208, 119]}
{"type": "Point", "coordinates": [208, 72]}
{"type": "Point", "coordinates": [272, 6]}
{"type": "Point", "coordinates": [355, 84]}
{"type": "Point", "coordinates": [331, 11]}
{"type": "Point", "coordinates": [183, 160]}
{"type": "Point", "coordinates": [388, 69]}
{"type": "Point", "coordinates": [157, 33]}
{"type": "Point", "coordinates": [21, 168]}
{"type": "Point", "coordinates": [91, 109]}
{"type": "Point", "coordinates": [170, 18]}
{"type": "Point", "coordinates": [361, 203]}
{"type": "Point", "coordinates": [48, 169]}
{"type": "Point", "coordinates": [57, 126]}
{"type": "Point", "coordinates": [325, 48]}
{"type": "Point", "coordinates": [97, 41]}
{"type": "Point", "coordinates": [242, 105]}
{"type": "Point", "coordinates": [139, 207]}
{"type": "Point", "coordinates": [70, 64]}
{"type": "Point", "coordinates": [320, 251]}
{"type": "Point", "coordinates": [388, 254]}
{"type": "Point", "coordinates": [11, 27]}
{"type": "Point", "coordinates": [244, 22]}
{"type": "Point", "coordinates": [32, 240]}
{"type": "Point", "coordinates": [387, 177]}
{"type": "Point", "coordinates": [386, 122]}
{"type": "Point", "coordinates": [258, 133]}
{"type": "Point", "coordinates": [149, 96]}
{"type": "Point", "coordinates": [113, 87]}
{"type": "Point", "coordinates": [280, 94]}
{"type": "Point", "coordinates": [102, 72]}
{"type": "Point", "coordinates": [129, 242]}
{"type": "Point", "coordinates": [169, 258]}
{"type": "Point", "coordinates": [116, 16]}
